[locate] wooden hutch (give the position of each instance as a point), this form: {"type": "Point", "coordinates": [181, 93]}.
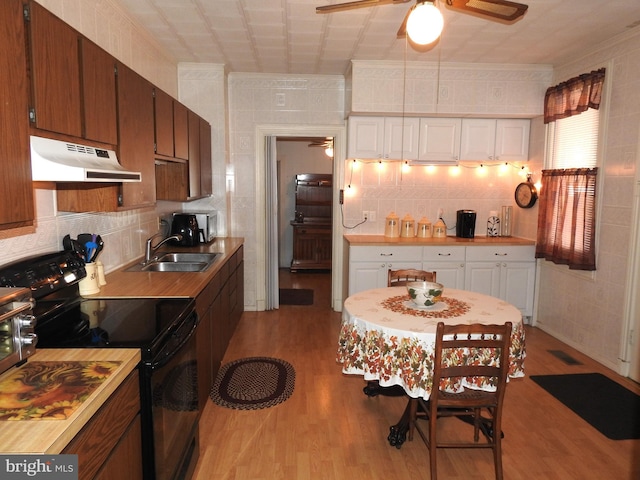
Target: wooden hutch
{"type": "Point", "coordinates": [312, 223]}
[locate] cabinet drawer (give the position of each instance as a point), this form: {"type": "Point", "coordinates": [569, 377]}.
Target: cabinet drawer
{"type": "Point", "coordinates": [525, 253]}
{"type": "Point", "coordinates": [443, 253]}
{"type": "Point", "coordinates": [391, 253]}
{"type": "Point", "coordinates": [313, 230]}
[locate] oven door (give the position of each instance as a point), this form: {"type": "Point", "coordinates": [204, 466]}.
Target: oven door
{"type": "Point", "coordinates": [172, 386]}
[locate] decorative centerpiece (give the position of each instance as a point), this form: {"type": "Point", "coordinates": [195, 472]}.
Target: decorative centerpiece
{"type": "Point", "coordinates": [425, 294]}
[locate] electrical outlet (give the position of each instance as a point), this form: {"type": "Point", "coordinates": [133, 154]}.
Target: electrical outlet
{"type": "Point", "coordinates": [372, 216]}
{"type": "Point", "coordinates": [341, 196]}
{"type": "Point", "coordinates": [365, 215]}
{"type": "Point", "coordinates": [440, 212]}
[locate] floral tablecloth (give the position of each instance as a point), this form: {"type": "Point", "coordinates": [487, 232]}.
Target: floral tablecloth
{"type": "Point", "coordinates": [385, 337]}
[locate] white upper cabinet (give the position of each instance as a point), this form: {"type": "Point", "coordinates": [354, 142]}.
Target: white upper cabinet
{"type": "Point", "coordinates": [439, 139]}
{"type": "Point", "coordinates": [512, 139]}
{"type": "Point", "coordinates": [401, 138]}
{"type": "Point", "coordinates": [495, 139]}
{"type": "Point", "coordinates": [366, 137]}
{"type": "Point", "coordinates": [390, 138]}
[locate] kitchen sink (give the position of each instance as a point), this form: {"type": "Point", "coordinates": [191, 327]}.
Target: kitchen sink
{"type": "Point", "coordinates": [174, 267]}
{"type": "Point", "coordinates": [179, 257]}
{"type": "Point", "coordinates": [177, 262]}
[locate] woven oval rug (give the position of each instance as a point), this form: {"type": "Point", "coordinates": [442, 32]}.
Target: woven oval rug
{"type": "Point", "coordinates": [253, 383]}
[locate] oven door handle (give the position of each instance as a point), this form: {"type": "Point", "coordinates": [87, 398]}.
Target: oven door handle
{"type": "Point", "coordinates": [165, 357]}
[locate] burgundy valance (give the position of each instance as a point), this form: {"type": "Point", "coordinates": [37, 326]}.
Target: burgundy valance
{"type": "Point", "coordinates": [574, 96]}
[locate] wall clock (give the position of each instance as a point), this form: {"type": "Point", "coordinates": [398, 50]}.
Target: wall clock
{"type": "Point", "coordinates": [526, 194]}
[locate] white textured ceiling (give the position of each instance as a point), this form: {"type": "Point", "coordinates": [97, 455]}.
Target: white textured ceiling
{"type": "Point", "coordinates": [287, 36]}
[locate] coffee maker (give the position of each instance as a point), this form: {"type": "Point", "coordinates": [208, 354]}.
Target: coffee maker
{"type": "Point", "coordinates": [186, 224]}
{"type": "Point", "coordinates": [465, 223]}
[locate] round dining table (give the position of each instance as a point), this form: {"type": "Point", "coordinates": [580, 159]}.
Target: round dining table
{"type": "Point", "coordinates": [390, 341]}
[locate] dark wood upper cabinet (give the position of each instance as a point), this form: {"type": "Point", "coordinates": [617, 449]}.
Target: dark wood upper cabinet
{"type": "Point", "coordinates": [98, 93]}
{"type": "Point", "coordinates": [136, 137]}
{"type": "Point", "coordinates": [181, 130]}
{"type": "Point", "coordinates": [206, 180]}
{"type": "Point", "coordinates": [163, 114]}
{"type": "Point", "coordinates": [16, 203]}
{"type": "Point", "coordinates": [194, 155]}
{"type": "Point", "coordinates": [55, 72]}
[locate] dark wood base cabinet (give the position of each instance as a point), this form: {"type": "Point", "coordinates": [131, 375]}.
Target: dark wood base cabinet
{"type": "Point", "coordinates": [219, 306]}
{"type": "Point", "coordinates": [109, 447]}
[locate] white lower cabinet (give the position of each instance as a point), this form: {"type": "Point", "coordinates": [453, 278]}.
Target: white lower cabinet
{"type": "Point", "coordinates": [447, 262]}
{"type": "Point", "coordinates": [369, 266]}
{"type": "Point", "coordinates": [507, 273]}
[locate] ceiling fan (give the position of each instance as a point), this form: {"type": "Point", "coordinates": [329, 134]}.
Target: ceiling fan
{"type": "Point", "coordinates": [496, 10]}
{"type": "Point", "coordinates": [327, 142]}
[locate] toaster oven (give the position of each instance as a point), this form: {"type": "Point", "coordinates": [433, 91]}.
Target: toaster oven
{"type": "Point", "coordinates": [17, 337]}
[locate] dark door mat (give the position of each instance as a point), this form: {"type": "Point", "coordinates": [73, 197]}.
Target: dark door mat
{"type": "Point", "coordinates": [565, 357]}
{"type": "Point", "coordinates": [296, 296]}
{"type": "Point", "coordinates": [606, 405]}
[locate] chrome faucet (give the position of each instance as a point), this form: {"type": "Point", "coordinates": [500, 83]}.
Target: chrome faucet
{"type": "Point", "coordinates": [149, 248]}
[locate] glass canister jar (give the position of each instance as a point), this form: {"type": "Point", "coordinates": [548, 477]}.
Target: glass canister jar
{"type": "Point", "coordinates": [392, 226]}
{"type": "Point", "coordinates": [505, 221]}
{"type": "Point", "coordinates": [424, 228]}
{"type": "Point", "coordinates": [408, 227]}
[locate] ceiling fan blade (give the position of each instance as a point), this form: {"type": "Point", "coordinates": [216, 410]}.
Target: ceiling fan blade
{"type": "Point", "coordinates": [340, 7]}
{"type": "Point", "coordinates": [494, 9]}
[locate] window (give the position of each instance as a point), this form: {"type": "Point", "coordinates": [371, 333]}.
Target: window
{"type": "Point", "coordinates": [574, 141]}
{"type": "Point", "coordinates": [566, 216]}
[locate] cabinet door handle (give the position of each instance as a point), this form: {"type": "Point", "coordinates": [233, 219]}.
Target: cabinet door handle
{"type": "Point", "coordinates": [386, 254]}
{"type": "Point", "coordinates": [501, 254]}
{"type": "Point", "coordinates": [444, 254]}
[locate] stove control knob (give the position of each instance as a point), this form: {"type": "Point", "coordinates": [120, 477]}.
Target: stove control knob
{"type": "Point", "coordinates": [27, 321]}
{"type": "Point", "coordinates": [29, 339]}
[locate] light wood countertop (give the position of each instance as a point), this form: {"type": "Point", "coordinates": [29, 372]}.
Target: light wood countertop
{"type": "Point", "coordinates": [121, 283]}
{"type": "Point", "coordinates": [51, 436]}
{"type": "Point", "coordinates": [381, 240]}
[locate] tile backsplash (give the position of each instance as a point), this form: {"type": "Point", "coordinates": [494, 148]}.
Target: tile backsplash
{"type": "Point", "coordinates": [426, 191]}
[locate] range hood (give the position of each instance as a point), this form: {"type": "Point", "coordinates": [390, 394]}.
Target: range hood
{"type": "Point", "coordinates": [60, 161]}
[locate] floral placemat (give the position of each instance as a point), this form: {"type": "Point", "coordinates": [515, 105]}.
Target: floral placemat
{"type": "Point", "coordinates": [447, 307]}
{"type": "Point", "coordinates": [51, 390]}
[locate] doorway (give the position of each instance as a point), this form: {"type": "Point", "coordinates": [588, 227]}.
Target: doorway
{"type": "Point", "coordinates": [296, 156]}
{"type": "Point", "coordinates": [631, 334]}
{"type": "Point", "coordinates": [338, 133]}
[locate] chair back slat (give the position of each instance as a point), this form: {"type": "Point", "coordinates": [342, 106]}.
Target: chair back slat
{"type": "Point", "coordinates": [397, 278]}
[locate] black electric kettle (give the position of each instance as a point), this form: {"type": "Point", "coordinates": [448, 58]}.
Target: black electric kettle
{"type": "Point", "coordinates": [186, 225]}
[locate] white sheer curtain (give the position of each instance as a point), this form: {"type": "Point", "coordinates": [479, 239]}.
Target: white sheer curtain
{"type": "Point", "coordinates": [271, 211]}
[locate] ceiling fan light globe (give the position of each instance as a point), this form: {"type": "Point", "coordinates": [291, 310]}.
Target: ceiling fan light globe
{"type": "Point", "coordinates": [425, 23]}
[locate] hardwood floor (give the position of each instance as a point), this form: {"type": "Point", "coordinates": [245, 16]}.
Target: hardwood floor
{"type": "Point", "coordinates": [328, 429]}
